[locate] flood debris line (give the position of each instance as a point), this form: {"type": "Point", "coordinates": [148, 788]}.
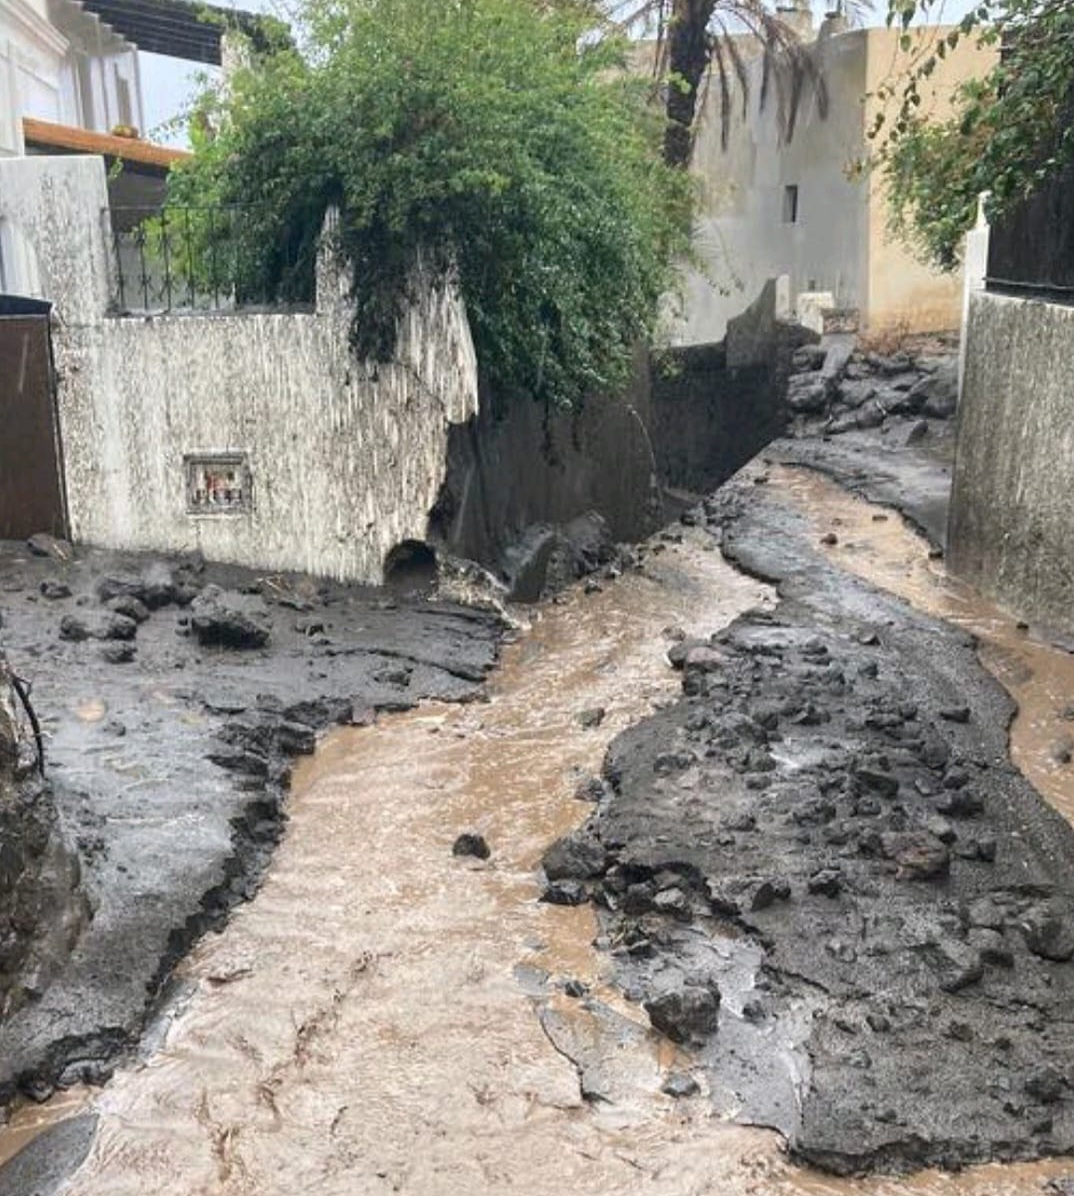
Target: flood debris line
{"type": "Point", "coordinates": [833, 793]}
{"type": "Point", "coordinates": [174, 698]}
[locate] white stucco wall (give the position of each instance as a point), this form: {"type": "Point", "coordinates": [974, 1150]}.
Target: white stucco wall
{"type": "Point", "coordinates": [346, 457]}
{"type": "Point", "coordinates": [840, 241]}
{"type": "Point", "coordinates": [742, 236]}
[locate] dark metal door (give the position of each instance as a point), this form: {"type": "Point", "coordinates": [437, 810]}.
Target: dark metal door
{"type": "Point", "coordinates": [31, 486]}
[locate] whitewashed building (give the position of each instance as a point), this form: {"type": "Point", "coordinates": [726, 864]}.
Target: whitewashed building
{"type": "Point", "coordinates": [63, 65]}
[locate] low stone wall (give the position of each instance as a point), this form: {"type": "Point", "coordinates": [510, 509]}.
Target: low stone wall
{"type": "Point", "coordinates": [256, 438]}
{"type": "Point", "coordinates": [714, 407]}
{"type": "Point", "coordinates": [1012, 522]}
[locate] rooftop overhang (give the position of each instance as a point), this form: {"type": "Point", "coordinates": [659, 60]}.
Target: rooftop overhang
{"type": "Point", "coordinates": [178, 28]}
{"type": "Point", "coordinates": [143, 156]}
{"type": "Point", "coordinates": [84, 30]}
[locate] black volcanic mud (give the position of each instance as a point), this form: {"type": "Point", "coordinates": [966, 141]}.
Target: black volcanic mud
{"type": "Point", "coordinates": [170, 772]}
{"type": "Point", "coordinates": [907, 897]}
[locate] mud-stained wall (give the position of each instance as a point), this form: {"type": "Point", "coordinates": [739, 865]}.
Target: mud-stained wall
{"type": "Point", "coordinates": [516, 464]}
{"type": "Point", "coordinates": [1011, 528]}
{"type": "Point", "coordinates": [345, 458]}
{"type": "Point", "coordinates": [714, 407]}
{"type": "Point", "coordinates": [42, 908]}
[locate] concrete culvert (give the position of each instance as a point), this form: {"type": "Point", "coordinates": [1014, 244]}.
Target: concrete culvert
{"type": "Point", "coordinates": [411, 567]}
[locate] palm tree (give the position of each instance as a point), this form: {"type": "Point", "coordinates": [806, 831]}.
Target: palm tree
{"type": "Point", "coordinates": [701, 39]}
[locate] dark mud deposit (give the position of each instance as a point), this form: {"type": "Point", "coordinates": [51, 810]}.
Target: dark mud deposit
{"type": "Point", "coordinates": [820, 869]}
{"type": "Point", "coordinates": [144, 671]}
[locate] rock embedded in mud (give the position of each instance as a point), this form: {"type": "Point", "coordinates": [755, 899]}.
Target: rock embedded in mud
{"type": "Point", "coordinates": [687, 1014]}
{"type": "Point", "coordinates": [55, 590]}
{"type": "Point", "coordinates": [565, 892]}
{"type": "Point", "coordinates": [73, 629]}
{"type": "Point", "coordinates": [130, 585]}
{"type": "Point", "coordinates": [128, 606]}
{"type": "Point", "coordinates": [957, 965]}
{"type": "Point", "coordinates": [1049, 932]}
{"type": "Point", "coordinates": [45, 545]}
{"type": "Point", "coordinates": [218, 621]}
{"type": "Point", "coordinates": [918, 855]}
{"type": "Point", "coordinates": [767, 893]}
{"type": "Point", "coordinates": [960, 803]}
{"type": "Point", "coordinates": [118, 652]}
{"type": "Point", "coordinates": [590, 719]}
{"type": "Point", "coordinates": [680, 1085]}
{"type": "Point", "coordinates": [828, 882]}
{"type": "Point", "coordinates": [574, 857]}
{"type": "Point", "coordinates": [879, 782]}
{"type": "Point", "coordinates": [117, 627]}
{"type": "Point", "coordinates": [591, 789]}
{"type": "Point", "coordinates": [471, 844]}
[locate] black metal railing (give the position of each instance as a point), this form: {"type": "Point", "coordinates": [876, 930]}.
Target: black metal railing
{"type": "Point", "coordinates": [191, 258]}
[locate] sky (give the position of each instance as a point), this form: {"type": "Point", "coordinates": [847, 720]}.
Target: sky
{"type": "Point", "coordinates": [169, 84]}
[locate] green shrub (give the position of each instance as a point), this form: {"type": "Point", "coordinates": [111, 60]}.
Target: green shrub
{"type": "Point", "coordinates": [502, 139]}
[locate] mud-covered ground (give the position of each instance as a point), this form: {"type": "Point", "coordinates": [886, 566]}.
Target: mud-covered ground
{"type": "Point", "coordinates": [817, 871]}
{"type": "Point", "coordinates": [173, 698]}
{"type": "Point", "coordinates": [821, 870]}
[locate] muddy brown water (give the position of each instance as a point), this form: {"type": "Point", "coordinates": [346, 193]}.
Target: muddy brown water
{"type": "Point", "coordinates": [368, 1023]}
{"type": "Point", "coordinates": [882, 548]}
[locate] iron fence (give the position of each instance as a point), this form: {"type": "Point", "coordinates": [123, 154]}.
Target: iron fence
{"type": "Point", "coordinates": [202, 258]}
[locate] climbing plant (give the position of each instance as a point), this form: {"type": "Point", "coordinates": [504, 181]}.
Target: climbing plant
{"type": "Point", "coordinates": [502, 140]}
{"type": "Point", "coordinates": [1009, 131]}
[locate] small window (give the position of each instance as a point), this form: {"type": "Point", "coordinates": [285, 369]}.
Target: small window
{"type": "Point", "coordinates": [790, 204]}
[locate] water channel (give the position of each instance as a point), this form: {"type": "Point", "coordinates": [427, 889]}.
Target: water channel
{"type": "Point", "coordinates": [367, 1024]}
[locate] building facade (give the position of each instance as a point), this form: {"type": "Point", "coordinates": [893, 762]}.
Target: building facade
{"type": "Point", "coordinates": [62, 64]}
{"type": "Point", "coordinates": [806, 205]}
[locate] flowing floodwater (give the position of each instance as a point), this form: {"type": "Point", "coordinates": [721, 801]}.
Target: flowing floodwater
{"type": "Point", "coordinates": [883, 549]}
{"type": "Point", "coordinates": [368, 1024]}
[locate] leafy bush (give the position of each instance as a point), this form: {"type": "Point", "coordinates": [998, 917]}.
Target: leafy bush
{"type": "Point", "coordinates": [500, 139]}
{"type": "Point", "coordinates": [1010, 130]}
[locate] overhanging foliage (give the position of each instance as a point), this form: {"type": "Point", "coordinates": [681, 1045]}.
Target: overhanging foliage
{"type": "Point", "coordinates": [1011, 128]}
{"type": "Point", "coordinates": [501, 136]}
